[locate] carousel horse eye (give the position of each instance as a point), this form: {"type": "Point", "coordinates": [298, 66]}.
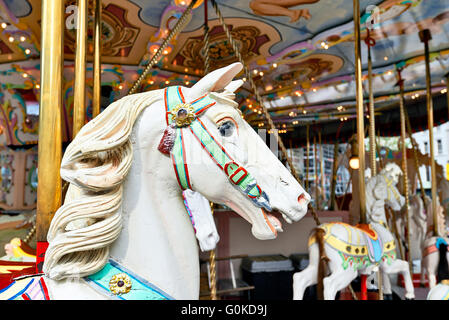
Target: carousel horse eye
{"type": "Point", "coordinates": [226, 128]}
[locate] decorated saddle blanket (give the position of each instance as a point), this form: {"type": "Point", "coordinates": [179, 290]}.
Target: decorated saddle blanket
{"type": "Point", "coordinates": [27, 288]}
{"type": "Point", "coordinates": [365, 244]}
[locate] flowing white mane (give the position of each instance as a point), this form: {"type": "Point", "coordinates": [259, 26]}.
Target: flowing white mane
{"type": "Point", "coordinates": [95, 164]}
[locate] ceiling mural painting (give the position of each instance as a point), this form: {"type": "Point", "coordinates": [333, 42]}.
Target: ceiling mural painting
{"type": "Point", "coordinates": [301, 57]}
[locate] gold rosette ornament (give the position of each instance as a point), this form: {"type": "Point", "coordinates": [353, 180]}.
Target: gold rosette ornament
{"type": "Point", "coordinates": [120, 284]}
{"type": "Point", "coordinates": [183, 114]}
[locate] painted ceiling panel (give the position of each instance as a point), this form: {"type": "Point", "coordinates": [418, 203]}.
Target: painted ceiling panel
{"type": "Point", "coordinates": [304, 48]}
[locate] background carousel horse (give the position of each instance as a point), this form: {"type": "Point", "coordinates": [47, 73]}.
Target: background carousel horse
{"type": "Point", "coordinates": [443, 189]}
{"type": "Point", "coordinates": [127, 168]}
{"type": "Point", "coordinates": [351, 250]}
{"type": "Point", "coordinates": [440, 291]}
{"type": "Point", "coordinates": [434, 249]}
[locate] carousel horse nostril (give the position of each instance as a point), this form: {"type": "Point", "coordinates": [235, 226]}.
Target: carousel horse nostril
{"type": "Point", "coordinates": [302, 199]}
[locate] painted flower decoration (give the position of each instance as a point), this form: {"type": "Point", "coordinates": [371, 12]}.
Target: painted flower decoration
{"type": "Point", "coordinates": [120, 284]}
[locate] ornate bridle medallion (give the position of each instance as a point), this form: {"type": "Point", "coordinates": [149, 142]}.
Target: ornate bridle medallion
{"type": "Point", "coordinates": [183, 114]}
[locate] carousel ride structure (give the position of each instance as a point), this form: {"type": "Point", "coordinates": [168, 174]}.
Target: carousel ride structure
{"type": "Point", "coordinates": [127, 191]}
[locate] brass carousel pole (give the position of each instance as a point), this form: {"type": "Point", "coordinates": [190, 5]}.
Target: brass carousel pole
{"type": "Point", "coordinates": [360, 126]}
{"type": "Point", "coordinates": [372, 133]}
{"type": "Point", "coordinates": [322, 176]}
{"type": "Point", "coordinates": [96, 98]}
{"type": "Point", "coordinates": [307, 155]}
{"type": "Point", "coordinates": [79, 91]}
{"type": "Point", "coordinates": [425, 37]}
{"type": "Point", "coordinates": [332, 205]}
{"type": "Point", "coordinates": [315, 171]}
{"type": "Point", "coordinates": [404, 169]}
{"type": "Point", "coordinates": [360, 111]}
{"type": "Point", "coordinates": [447, 93]}
{"type": "Point", "coordinates": [372, 126]}
{"type": "Point", "coordinates": [50, 139]}
{"type": "Point", "coordinates": [212, 253]}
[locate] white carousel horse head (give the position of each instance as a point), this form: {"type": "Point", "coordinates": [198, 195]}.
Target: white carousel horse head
{"type": "Point", "coordinates": [381, 190]}
{"type": "Point", "coordinates": [126, 168]}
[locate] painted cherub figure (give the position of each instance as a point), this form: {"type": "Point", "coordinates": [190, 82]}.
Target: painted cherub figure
{"type": "Point", "coordinates": [281, 8]}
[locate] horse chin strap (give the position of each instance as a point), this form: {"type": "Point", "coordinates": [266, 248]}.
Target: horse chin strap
{"type": "Point", "coordinates": [182, 117]}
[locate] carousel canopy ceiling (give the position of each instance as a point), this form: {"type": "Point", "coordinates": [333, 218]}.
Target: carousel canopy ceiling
{"type": "Point", "coordinates": [301, 53]}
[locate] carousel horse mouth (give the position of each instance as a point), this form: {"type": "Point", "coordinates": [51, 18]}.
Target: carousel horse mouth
{"type": "Point", "coordinates": [275, 222]}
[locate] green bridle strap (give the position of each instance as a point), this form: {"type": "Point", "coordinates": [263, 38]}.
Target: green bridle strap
{"type": "Point", "coordinates": [186, 116]}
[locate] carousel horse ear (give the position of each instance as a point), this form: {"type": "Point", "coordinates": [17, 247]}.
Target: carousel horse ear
{"type": "Point", "coordinates": [216, 80]}
{"type": "Point", "coordinates": [234, 85]}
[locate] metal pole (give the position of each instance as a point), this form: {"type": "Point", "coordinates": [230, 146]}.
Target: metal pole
{"type": "Point", "coordinates": [213, 268]}
{"type": "Point", "coordinates": [79, 99]}
{"type": "Point", "coordinates": [322, 175]}
{"type": "Point", "coordinates": [404, 170]}
{"type": "Point", "coordinates": [360, 111]}
{"type": "Point", "coordinates": [96, 98]}
{"type": "Point", "coordinates": [307, 157]}
{"type": "Point", "coordinates": [372, 128]}
{"type": "Point", "coordinates": [334, 177]}
{"type": "Point", "coordinates": [156, 57]}
{"type": "Point", "coordinates": [315, 171]}
{"type": "Point", "coordinates": [447, 93]}
{"type": "Point", "coordinates": [425, 36]}
{"type": "Point", "coordinates": [50, 139]}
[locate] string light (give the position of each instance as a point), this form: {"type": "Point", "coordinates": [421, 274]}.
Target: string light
{"type": "Point", "coordinates": [27, 51]}
{"type": "Point", "coordinates": [275, 65]}
{"type": "Point", "coordinates": [22, 38]}
{"type": "Point", "coordinates": [37, 86]}
{"type": "Point", "coordinates": [25, 75]}
{"type": "Point", "coordinates": [385, 58]}
{"type": "Point", "coordinates": [4, 25]}
{"type": "Point", "coordinates": [11, 39]}
{"type": "Point", "coordinates": [120, 87]}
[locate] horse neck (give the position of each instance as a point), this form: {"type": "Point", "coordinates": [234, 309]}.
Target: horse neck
{"type": "Point", "coordinates": [157, 241]}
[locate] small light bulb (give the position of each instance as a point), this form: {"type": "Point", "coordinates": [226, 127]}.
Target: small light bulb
{"type": "Point", "coordinates": [354, 163]}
